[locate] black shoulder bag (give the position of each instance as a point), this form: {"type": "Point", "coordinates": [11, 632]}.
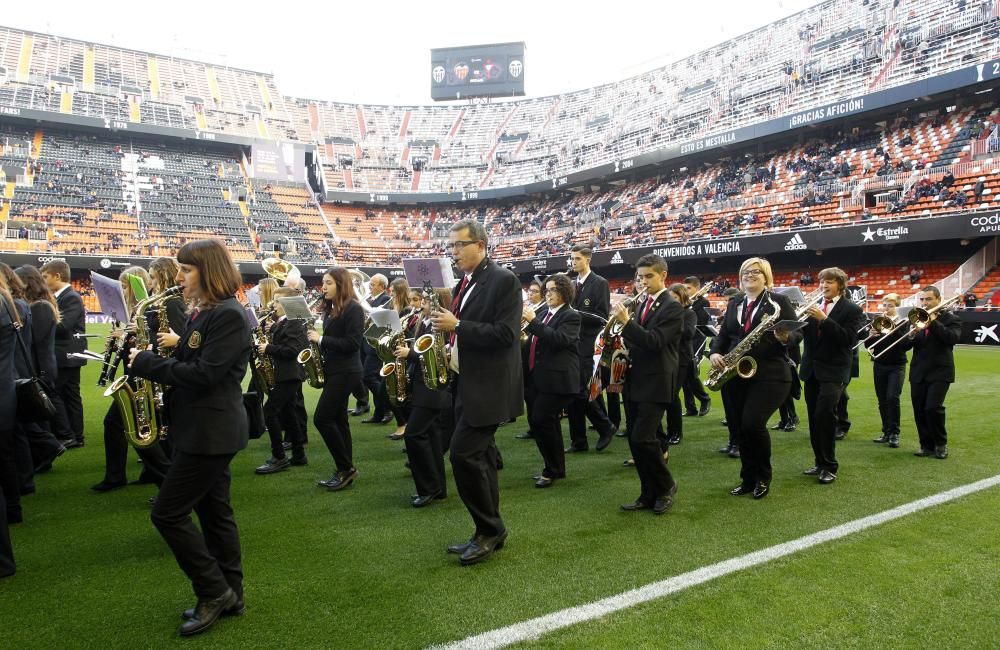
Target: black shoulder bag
{"type": "Point", "coordinates": [33, 403]}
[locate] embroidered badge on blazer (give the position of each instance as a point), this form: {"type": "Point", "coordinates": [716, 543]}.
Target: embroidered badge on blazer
{"type": "Point", "coordinates": [194, 342]}
{"type": "Point", "coordinates": [586, 302]}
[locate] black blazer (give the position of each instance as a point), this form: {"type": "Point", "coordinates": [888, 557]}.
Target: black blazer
{"type": "Point", "coordinates": [557, 358]}
{"type": "Point", "coordinates": [771, 355]}
{"type": "Point", "coordinates": [23, 364]}
{"type": "Point", "coordinates": [205, 398]}
{"type": "Point", "coordinates": [896, 356]}
{"type": "Point", "coordinates": [700, 309]}
{"type": "Point", "coordinates": [490, 384]}
{"type": "Point", "coordinates": [341, 342]}
{"type": "Point", "coordinates": [652, 373]}
{"type": "Point", "coordinates": [933, 349]}
{"type": "Point", "coordinates": [593, 301]}
{"type": "Point", "coordinates": [420, 395]}
{"type": "Point", "coordinates": [828, 346]}
{"type": "Point", "coordinates": [685, 346]}
{"type": "Point", "coordinates": [43, 339]}
{"type": "Point", "coordinates": [288, 338]}
{"type": "Point", "coordinates": [8, 347]}
{"type": "Point", "coordinates": [72, 320]}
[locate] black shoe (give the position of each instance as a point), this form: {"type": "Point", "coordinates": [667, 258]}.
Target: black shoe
{"type": "Point", "coordinates": [638, 504]}
{"type": "Point", "coordinates": [629, 462]}
{"type": "Point", "coordinates": [664, 503]}
{"type": "Point", "coordinates": [792, 425]}
{"type": "Point", "coordinates": [28, 488]}
{"type": "Point", "coordinates": [105, 486]}
{"type": "Point", "coordinates": [741, 489]}
{"type": "Point", "coordinates": [572, 450]}
{"type": "Point", "coordinates": [605, 440]}
{"type": "Point", "coordinates": [298, 462]}
{"type": "Point", "coordinates": [373, 420]}
{"type": "Point", "coordinates": [826, 477]}
{"type": "Point", "coordinates": [706, 406]}
{"type": "Point", "coordinates": [839, 435]}
{"type": "Point", "coordinates": [761, 489]}
{"type": "Point", "coordinates": [924, 452]}
{"type": "Point", "coordinates": [387, 419]}
{"type": "Point", "coordinates": [724, 422]}
{"type": "Point", "coordinates": [71, 444]}
{"type": "Point", "coordinates": [360, 410]}
{"type": "Point", "coordinates": [460, 547]}
{"type": "Point", "coordinates": [622, 433]}
{"type": "Point", "coordinates": [237, 609]}
{"type": "Point", "coordinates": [46, 464]}
{"type": "Point", "coordinates": [273, 465]}
{"type": "Point", "coordinates": [151, 501]}
{"type": "Point", "coordinates": [480, 548]}
{"type": "Point", "coordinates": [286, 446]}
{"type": "Point", "coordinates": [894, 441]}
{"type": "Point", "coordinates": [544, 482]}
{"type": "Point", "coordinates": [674, 440]}
{"type": "Point", "coordinates": [207, 612]}
{"type": "Point", "coordinates": [726, 449]}
{"type": "Point", "coordinates": [812, 471]}
{"type": "Point", "coordinates": [340, 480]}
{"type": "Point", "coordinates": [779, 426]}
{"type": "Point", "coordinates": [421, 500]}
{"type": "Point", "coordinates": [941, 452]}
{"type": "Point", "coordinates": [527, 435]}
{"type": "Point", "coordinates": [885, 437]}
{"type": "Point", "coordinates": [690, 414]}
{"type": "Point", "coordinates": [734, 451]}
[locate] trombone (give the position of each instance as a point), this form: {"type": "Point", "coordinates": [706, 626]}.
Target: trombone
{"type": "Point", "coordinates": [919, 319]}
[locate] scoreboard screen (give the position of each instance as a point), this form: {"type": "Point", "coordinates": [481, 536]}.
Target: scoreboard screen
{"type": "Point", "coordinates": [477, 71]}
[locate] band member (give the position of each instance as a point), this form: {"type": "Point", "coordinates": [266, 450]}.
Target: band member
{"type": "Point", "coordinates": [340, 344]}
{"type": "Point", "coordinates": [208, 426]}
{"type": "Point", "coordinates": [888, 372]}
{"type": "Point", "coordinates": [843, 417]}
{"type": "Point", "coordinates": [484, 324]}
{"type": "Point", "coordinates": [68, 423]}
{"type": "Point", "coordinates": [755, 399]}
{"type": "Point", "coordinates": [553, 372]}
{"type": "Point", "coordinates": [593, 301]}
{"type": "Point", "coordinates": [788, 418]}
{"type": "Point", "coordinates": [693, 388]}
{"type": "Point", "coordinates": [651, 335]}
{"type": "Point", "coordinates": [379, 299]}
{"type": "Point", "coordinates": [301, 417]}
{"type": "Point", "coordinates": [399, 291]}
{"type": "Point", "coordinates": [829, 336]}
{"type": "Point", "coordinates": [932, 371]}
{"type": "Point", "coordinates": [424, 424]}
{"type": "Point", "coordinates": [538, 304]}
{"type": "Point", "coordinates": [8, 411]}
{"type": "Point", "coordinates": [287, 340]}
{"type": "Point", "coordinates": [685, 357]}
{"type": "Point", "coordinates": [731, 448]}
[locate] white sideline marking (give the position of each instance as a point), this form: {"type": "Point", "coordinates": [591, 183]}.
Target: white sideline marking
{"type": "Point", "coordinates": [536, 627]}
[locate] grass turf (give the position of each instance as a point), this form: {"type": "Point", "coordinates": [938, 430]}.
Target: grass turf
{"type": "Point", "coordinates": [362, 568]}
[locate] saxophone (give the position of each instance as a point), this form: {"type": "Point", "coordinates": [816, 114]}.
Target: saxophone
{"type": "Point", "coordinates": [263, 365]}
{"type": "Point", "coordinates": [112, 357]}
{"type": "Point", "coordinates": [738, 360]}
{"type": "Point", "coordinates": [141, 406]}
{"type": "Point", "coordinates": [432, 352]}
{"type": "Point", "coordinates": [311, 359]}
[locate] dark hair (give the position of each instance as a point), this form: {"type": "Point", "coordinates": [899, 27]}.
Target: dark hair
{"type": "Point", "coordinates": [655, 262]}
{"type": "Point", "coordinates": [476, 230]}
{"type": "Point", "coordinates": [835, 274]}
{"type": "Point", "coordinates": [582, 249]}
{"type": "Point", "coordinates": [217, 273]}
{"type": "Point", "coordinates": [14, 284]}
{"type": "Point", "coordinates": [564, 286]}
{"type": "Point", "coordinates": [163, 271]}
{"type": "Point", "coordinates": [400, 293]}
{"type": "Point", "coordinates": [35, 289]}
{"type": "Point", "coordinates": [9, 300]}
{"type": "Point", "coordinates": [345, 290]}
{"type": "Point", "coordinates": [443, 297]}
{"type": "Point", "coordinates": [57, 267]}
{"type": "Point", "coordinates": [680, 290]}
{"type": "Point", "coordinates": [932, 289]}
{"type": "Point", "coordinates": [693, 280]}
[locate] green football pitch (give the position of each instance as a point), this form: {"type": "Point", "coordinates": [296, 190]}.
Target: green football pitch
{"type": "Point", "coordinates": [363, 569]}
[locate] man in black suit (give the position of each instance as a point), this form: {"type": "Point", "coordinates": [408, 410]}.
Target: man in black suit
{"type": "Point", "coordinates": [68, 425]}
{"type": "Point", "coordinates": [828, 341]}
{"type": "Point", "coordinates": [692, 386]}
{"type": "Point", "coordinates": [593, 301]}
{"type": "Point", "coordinates": [932, 371]}
{"type": "Point", "coordinates": [372, 363]}
{"type": "Point", "coordinates": [651, 334]}
{"type": "Point", "coordinates": [484, 328]}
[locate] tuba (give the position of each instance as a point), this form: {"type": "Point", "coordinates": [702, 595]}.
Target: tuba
{"type": "Point", "coordinates": [432, 352]}
{"type": "Point", "coordinates": [280, 269]}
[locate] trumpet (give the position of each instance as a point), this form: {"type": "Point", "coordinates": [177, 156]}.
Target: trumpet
{"type": "Point", "coordinates": [812, 298]}
{"type": "Point", "coordinates": [919, 319]}
{"type": "Point", "coordinates": [705, 288]}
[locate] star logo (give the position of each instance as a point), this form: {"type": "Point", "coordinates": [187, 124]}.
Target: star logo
{"type": "Point", "coordinates": [869, 235]}
{"type": "Point", "coordinates": [984, 332]}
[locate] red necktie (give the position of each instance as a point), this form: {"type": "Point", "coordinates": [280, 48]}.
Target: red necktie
{"type": "Point", "coordinates": [748, 316]}
{"type": "Point", "coordinates": [534, 344]}
{"type": "Point", "coordinates": [645, 311]}
{"type": "Point", "coordinates": [456, 304]}
{"type": "Point", "coordinates": [826, 306]}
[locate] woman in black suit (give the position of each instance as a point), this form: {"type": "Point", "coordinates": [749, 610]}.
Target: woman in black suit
{"type": "Point", "coordinates": [400, 291]}
{"type": "Point", "coordinates": [754, 400]}
{"type": "Point", "coordinates": [685, 357]}
{"type": "Point", "coordinates": [8, 410]}
{"type": "Point", "coordinates": [553, 367]}
{"type": "Point", "coordinates": [208, 426]}
{"type": "Point", "coordinates": [340, 344]}
{"type": "Point", "coordinates": [423, 434]}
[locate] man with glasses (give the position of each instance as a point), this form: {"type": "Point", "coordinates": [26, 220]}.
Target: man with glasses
{"type": "Point", "coordinates": [483, 327]}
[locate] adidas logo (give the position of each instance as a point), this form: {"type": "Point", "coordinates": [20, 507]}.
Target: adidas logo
{"type": "Point", "coordinates": [617, 258]}
{"type": "Point", "coordinates": [796, 244]}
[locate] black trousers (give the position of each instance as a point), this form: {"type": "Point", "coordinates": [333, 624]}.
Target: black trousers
{"type": "Point", "coordinates": [787, 410]}
{"type": "Point", "coordinates": [210, 557]}
{"type": "Point", "coordinates": [582, 409]}
{"type": "Point", "coordinates": [279, 414]}
{"type": "Point", "coordinates": [693, 388]}
{"type": "Point", "coordinates": [424, 451]}
{"type": "Point", "coordinates": [754, 402]}
{"type": "Point", "coordinates": [928, 412]}
{"type": "Point", "coordinates": [68, 424]}
{"type": "Point", "coordinates": [301, 417]}
{"type": "Point", "coordinates": [331, 420]}
{"type": "Point", "coordinates": [821, 403]}
{"type": "Point", "coordinates": [155, 461]}
{"type": "Point", "coordinates": [675, 420]}
{"type": "Point", "coordinates": [654, 477]}
{"type": "Point", "coordinates": [7, 565]}
{"type": "Point", "coordinates": [43, 444]}
{"type": "Point", "coordinates": [360, 394]}
{"type": "Point", "coordinates": [614, 406]}
{"type": "Point", "coordinates": [888, 388]}
{"type": "Point", "coordinates": [10, 483]}
{"type": "Point", "coordinates": [732, 421]}
{"type": "Point", "coordinates": [544, 420]}
{"type": "Point", "coordinates": [474, 466]}
{"type": "Point", "coordinates": [374, 383]}
{"type": "Point", "coordinates": [843, 419]}
{"type": "Point", "coordinates": [22, 457]}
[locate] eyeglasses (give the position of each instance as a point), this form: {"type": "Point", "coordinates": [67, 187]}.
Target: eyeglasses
{"type": "Point", "coordinates": [462, 243]}
{"type": "Point", "coordinates": [552, 290]}
{"type": "Point", "coordinates": [752, 273]}
{"type": "Point", "coordinates": [534, 290]}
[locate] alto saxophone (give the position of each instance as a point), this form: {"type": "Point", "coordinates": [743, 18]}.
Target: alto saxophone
{"type": "Point", "coordinates": [433, 355]}
{"type": "Point", "coordinates": [263, 365]}
{"type": "Point", "coordinates": [112, 357]}
{"type": "Point", "coordinates": [738, 360]}
{"type": "Point", "coordinates": [311, 359]}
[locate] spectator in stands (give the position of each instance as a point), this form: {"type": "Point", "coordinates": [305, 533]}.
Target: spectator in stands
{"type": "Point", "coordinates": [970, 300]}
{"type": "Point", "coordinates": [978, 189]}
